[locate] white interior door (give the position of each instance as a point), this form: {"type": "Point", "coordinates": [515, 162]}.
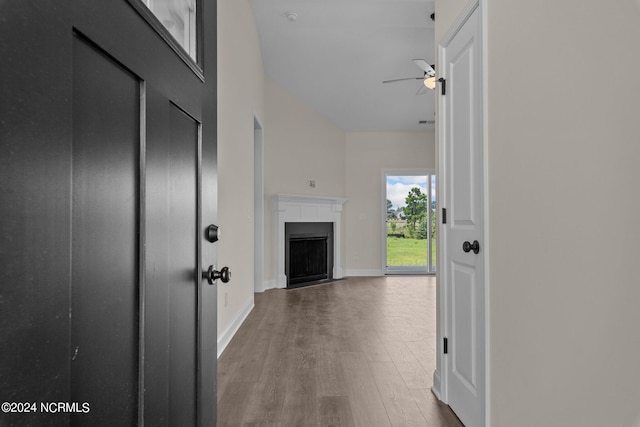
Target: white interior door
{"type": "Point", "coordinates": [464, 276]}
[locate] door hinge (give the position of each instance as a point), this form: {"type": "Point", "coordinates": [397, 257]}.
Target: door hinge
{"type": "Point", "coordinates": [444, 215]}
{"type": "Point", "coordinates": [445, 345]}
{"type": "Point", "coordinates": [443, 85]}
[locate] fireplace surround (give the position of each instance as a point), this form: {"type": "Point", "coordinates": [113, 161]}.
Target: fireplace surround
{"type": "Point", "coordinates": [290, 208]}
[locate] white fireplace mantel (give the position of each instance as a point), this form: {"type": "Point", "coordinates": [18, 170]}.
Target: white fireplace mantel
{"type": "Point", "coordinates": [296, 208]}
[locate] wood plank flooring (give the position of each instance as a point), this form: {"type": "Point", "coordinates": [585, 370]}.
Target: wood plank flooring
{"type": "Point", "coordinates": [357, 352]}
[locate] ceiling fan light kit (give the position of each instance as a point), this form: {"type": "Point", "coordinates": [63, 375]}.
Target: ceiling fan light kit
{"type": "Point", "coordinates": [428, 79]}
{"type": "Point", "coordinates": [430, 82]}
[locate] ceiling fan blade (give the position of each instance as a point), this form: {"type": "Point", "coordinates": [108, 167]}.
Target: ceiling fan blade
{"type": "Point", "coordinates": [424, 66]}
{"type": "Point", "coordinates": [406, 78]}
{"type": "Point", "coordinates": [423, 89]}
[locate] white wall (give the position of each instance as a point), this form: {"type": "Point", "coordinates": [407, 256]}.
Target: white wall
{"type": "Point", "coordinates": [300, 145]}
{"type": "Point", "coordinates": [240, 95]}
{"type": "Point", "coordinates": [446, 12]}
{"type": "Point", "coordinates": [367, 154]}
{"type": "Point", "coordinates": [564, 146]}
{"type": "Point", "coordinates": [564, 157]}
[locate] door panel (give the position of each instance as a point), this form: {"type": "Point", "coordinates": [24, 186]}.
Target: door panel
{"type": "Point", "coordinates": [462, 141]}
{"type": "Point", "coordinates": [156, 315]}
{"type": "Point", "coordinates": [183, 283]}
{"type": "Point", "coordinates": [35, 206]}
{"type": "Point", "coordinates": [465, 270]}
{"type": "Point", "coordinates": [105, 200]}
{"type": "Point", "coordinates": [463, 329]}
{"type": "Point", "coordinates": [172, 289]}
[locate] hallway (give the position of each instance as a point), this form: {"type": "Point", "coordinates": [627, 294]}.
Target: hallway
{"type": "Point", "coordinates": [356, 352]}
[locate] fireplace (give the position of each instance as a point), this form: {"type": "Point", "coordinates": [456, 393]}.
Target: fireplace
{"type": "Point", "coordinates": [308, 253]}
{"type": "Point", "coordinates": [289, 209]}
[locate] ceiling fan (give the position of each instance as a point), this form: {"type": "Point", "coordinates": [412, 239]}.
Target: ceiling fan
{"type": "Point", "coordinates": [428, 79]}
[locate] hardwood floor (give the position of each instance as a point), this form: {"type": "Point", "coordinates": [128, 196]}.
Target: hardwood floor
{"type": "Point", "coordinates": [357, 352]}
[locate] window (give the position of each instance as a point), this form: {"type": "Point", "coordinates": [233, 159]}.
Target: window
{"type": "Point", "coordinates": [179, 18]}
{"type": "Point", "coordinates": [179, 24]}
{"type": "Point", "coordinates": [410, 226]}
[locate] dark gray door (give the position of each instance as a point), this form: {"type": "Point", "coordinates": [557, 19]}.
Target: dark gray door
{"type": "Point", "coordinates": [108, 175]}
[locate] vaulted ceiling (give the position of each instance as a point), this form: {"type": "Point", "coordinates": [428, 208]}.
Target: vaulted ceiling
{"type": "Point", "coordinates": [334, 55]}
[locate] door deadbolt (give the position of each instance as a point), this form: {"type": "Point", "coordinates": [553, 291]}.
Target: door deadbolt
{"type": "Point", "coordinates": [212, 233]}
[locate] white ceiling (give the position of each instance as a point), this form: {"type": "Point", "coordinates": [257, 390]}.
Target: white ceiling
{"type": "Point", "coordinates": [336, 54]}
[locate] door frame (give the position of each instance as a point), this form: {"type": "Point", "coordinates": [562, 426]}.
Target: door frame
{"type": "Point", "coordinates": [440, 377]}
{"type": "Point", "coordinates": [402, 172]}
{"type": "Point", "coordinates": [258, 204]}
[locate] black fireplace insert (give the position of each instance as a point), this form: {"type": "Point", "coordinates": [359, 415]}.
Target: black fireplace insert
{"type": "Point", "coordinates": [308, 253]}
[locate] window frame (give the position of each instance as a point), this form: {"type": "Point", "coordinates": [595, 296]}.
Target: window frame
{"type": "Point", "coordinates": [194, 64]}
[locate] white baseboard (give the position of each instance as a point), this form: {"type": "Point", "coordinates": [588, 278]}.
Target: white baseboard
{"type": "Point", "coordinates": [270, 284]}
{"type": "Point", "coordinates": [436, 384]}
{"type": "Point", "coordinates": [264, 285]}
{"type": "Point", "coordinates": [259, 288]}
{"type": "Point", "coordinates": [351, 273]}
{"type": "Point", "coordinates": [226, 336]}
